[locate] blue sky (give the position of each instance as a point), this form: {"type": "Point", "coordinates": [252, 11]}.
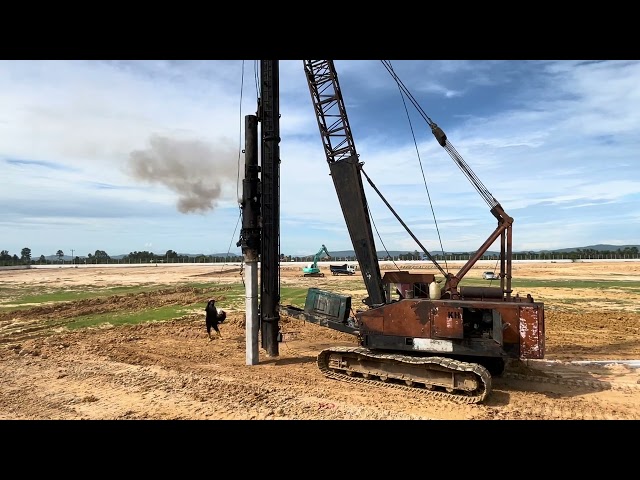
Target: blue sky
{"type": "Point", "coordinates": [126, 156]}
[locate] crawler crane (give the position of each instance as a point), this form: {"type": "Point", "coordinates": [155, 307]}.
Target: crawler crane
{"type": "Point", "coordinates": [447, 341]}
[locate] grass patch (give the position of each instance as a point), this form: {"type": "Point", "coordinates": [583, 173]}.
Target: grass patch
{"type": "Point", "coordinates": [129, 318]}
{"type": "Point", "coordinates": [232, 296]}
{"type": "Point", "coordinates": [609, 304]}
{"type": "Point", "coordinates": [13, 308]}
{"type": "Point", "coordinates": [579, 284]}
{"type": "Point", "coordinates": [292, 295]}
{"type": "Point", "coordinates": [599, 300]}
{"type": "Point", "coordinates": [295, 296]}
{"type": "Point", "coordinates": [28, 298]}
{"type": "Point", "coordinates": [71, 295]}
{"type": "Point", "coordinates": [352, 285]}
{"type": "Point", "coordinates": [235, 296]}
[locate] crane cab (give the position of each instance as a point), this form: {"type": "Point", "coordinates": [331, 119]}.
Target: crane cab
{"type": "Point", "coordinates": [399, 285]}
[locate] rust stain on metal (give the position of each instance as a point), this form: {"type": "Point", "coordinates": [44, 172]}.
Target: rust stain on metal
{"type": "Point", "coordinates": [372, 322]}
{"type": "Point", "coordinates": [511, 321]}
{"type": "Point", "coordinates": [531, 332]}
{"type": "Point", "coordinates": [447, 322]}
{"type": "Point", "coordinates": [404, 319]}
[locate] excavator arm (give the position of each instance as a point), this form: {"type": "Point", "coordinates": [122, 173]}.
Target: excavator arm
{"type": "Point", "coordinates": [318, 256]}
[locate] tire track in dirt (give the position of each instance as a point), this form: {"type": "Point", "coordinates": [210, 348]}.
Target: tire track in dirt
{"type": "Point", "coordinates": [557, 404]}
{"type": "Point", "coordinates": [113, 386]}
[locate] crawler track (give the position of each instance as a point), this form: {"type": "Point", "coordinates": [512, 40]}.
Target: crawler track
{"type": "Point", "coordinates": [453, 380]}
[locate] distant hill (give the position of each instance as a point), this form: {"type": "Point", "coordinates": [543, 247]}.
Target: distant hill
{"type": "Point", "coordinates": [600, 247]}
{"type": "Point", "coordinates": [394, 253]}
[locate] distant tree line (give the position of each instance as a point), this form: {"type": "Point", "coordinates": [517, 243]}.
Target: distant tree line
{"type": "Point", "coordinates": [101, 257]}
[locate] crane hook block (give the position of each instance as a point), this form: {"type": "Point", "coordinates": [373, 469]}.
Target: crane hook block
{"type": "Point", "coordinates": [441, 137]}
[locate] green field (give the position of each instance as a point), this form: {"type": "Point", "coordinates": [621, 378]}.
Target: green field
{"type": "Point", "coordinates": [233, 296]}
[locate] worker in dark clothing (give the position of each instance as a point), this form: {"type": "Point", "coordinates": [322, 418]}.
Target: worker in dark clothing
{"type": "Point", "coordinates": [214, 317]}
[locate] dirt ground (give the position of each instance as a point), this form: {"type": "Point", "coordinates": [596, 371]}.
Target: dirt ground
{"type": "Point", "coordinates": [171, 370]}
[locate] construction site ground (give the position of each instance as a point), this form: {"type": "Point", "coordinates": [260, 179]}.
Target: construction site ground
{"type": "Point", "coordinates": [169, 369]}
